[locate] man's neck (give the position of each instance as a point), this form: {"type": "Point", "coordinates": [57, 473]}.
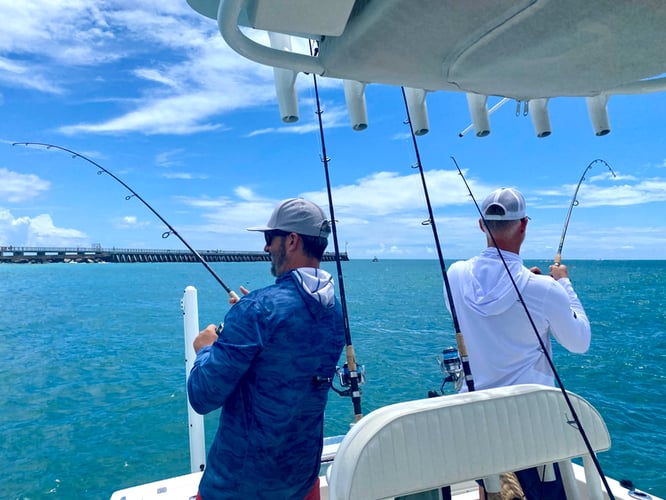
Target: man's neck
{"type": "Point", "coordinates": [298, 263]}
{"type": "Point", "coordinates": [507, 246]}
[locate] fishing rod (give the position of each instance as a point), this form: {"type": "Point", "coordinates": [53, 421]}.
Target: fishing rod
{"type": "Point", "coordinates": [576, 420]}
{"type": "Point", "coordinates": [574, 203]}
{"type": "Point", "coordinates": [232, 295]}
{"type": "Point", "coordinates": [351, 374]}
{"type": "Point", "coordinates": [460, 341]}
{"type": "Point", "coordinates": [501, 103]}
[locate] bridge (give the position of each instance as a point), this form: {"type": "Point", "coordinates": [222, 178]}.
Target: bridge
{"type": "Point", "coordinates": [95, 254]}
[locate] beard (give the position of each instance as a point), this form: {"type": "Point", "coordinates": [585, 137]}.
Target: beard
{"type": "Point", "coordinates": [279, 258]}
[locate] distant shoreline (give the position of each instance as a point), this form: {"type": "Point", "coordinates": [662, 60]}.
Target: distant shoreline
{"type": "Point", "coordinates": [98, 255]}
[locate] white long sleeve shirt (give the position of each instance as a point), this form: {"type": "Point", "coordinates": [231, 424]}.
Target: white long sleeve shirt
{"type": "Point", "coordinates": [501, 342]}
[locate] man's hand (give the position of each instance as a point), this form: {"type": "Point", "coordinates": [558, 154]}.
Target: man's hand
{"type": "Point", "coordinates": [205, 337]}
{"type": "Point", "coordinates": [535, 270]}
{"type": "Point", "coordinates": [558, 271]}
{"type": "Point", "coordinates": [235, 299]}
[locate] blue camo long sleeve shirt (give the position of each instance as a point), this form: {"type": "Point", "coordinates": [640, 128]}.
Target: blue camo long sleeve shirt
{"type": "Point", "coordinates": [260, 371]}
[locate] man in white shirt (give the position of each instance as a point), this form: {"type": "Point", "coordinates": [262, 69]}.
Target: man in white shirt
{"type": "Point", "coordinates": [501, 340]}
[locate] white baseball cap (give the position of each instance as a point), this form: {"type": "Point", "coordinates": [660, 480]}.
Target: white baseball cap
{"type": "Point", "coordinates": [510, 200]}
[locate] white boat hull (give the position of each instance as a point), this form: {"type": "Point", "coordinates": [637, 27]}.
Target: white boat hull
{"type": "Point", "coordinates": [185, 488]}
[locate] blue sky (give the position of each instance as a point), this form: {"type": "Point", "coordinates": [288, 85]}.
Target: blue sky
{"type": "Point", "coordinates": [150, 91]}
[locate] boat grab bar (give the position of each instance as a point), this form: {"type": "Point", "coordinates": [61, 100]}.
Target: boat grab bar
{"type": "Point", "coordinates": [227, 20]}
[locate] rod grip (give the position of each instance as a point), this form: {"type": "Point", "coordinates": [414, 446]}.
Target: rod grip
{"type": "Point", "coordinates": [460, 341]}
{"type": "Point", "coordinates": [355, 391]}
{"type": "Point", "coordinates": [558, 258]}
{"type": "Point", "coordinates": [350, 357]}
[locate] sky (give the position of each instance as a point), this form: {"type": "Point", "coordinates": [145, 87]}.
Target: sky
{"type": "Point", "coordinates": [149, 91]}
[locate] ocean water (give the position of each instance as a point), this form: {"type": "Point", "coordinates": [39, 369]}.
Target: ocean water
{"type": "Point", "coordinates": [92, 384]}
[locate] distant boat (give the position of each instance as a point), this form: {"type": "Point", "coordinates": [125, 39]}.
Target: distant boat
{"type": "Point", "coordinates": [375, 259]}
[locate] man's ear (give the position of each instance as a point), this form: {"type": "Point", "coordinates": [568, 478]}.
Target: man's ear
{"type": "Point", "coordinates": [482, 226]}
{"type": "Point", "coordinates": [292, 241]}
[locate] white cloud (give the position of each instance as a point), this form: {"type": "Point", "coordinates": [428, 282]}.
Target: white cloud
{"type": "Point", "coordinates": [382, 214]}
{"type": "Point", "coordinates": [37, 231]}
{"type": "Point", "coordinates": [131, 222]}
{"type": "Point", "coordinates": [184, 176]}
{"type": "Point", "coordinates": [332, 117]}
{"type": "Point", "coordinates": [245, 193]}
{"type": "Point", "coordinates": [176, 115]}
{"type": "Point", "coordinates": [169, 158]}
{"type": "Point", "coordinates": [16, 187]}
{"type": "Point", "coordinates": [23, 75]}
{"type": "Point", "coordinates": [53, 42]}
{"type": "Point", "coordinates": [645, 191]}
{"type": "Point", "coordinates": [390, 193]}
{"type": "Point", "coordinates": [226, 216]}
{"type": "Point", "coordinates": [175, 158]}
{"type": "Point", "coordinates": [41, 32]}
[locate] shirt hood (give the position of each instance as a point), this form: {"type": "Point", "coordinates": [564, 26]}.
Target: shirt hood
{"type": "Point", "coordinates": [317, 283]}
{"type": "Point", "coordinates": [488, 290]}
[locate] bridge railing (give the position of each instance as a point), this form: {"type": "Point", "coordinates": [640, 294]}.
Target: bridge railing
{"type": "Point", "coordinates": [114, 254]}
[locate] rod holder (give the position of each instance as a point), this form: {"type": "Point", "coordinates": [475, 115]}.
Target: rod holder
{"type": "Point", "coordinates": [479, 113]}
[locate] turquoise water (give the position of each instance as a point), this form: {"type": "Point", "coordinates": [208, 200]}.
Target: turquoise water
{"type": "Point", "coordinates": [92, 389]}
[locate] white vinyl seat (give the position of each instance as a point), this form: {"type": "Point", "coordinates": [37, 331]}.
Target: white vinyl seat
{"type": "Point", "coordinates": [423, 445]}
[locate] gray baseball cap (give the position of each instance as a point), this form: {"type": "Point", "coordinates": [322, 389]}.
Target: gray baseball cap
{"type": "Point", "coordinates": [297, 215]}
{"type": "Point", "coordinates": [510, 200]}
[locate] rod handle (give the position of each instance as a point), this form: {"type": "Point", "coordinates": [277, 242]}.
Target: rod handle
{"type": "Point", "coordinates": [355, 391]}
{"type": "Point", "coordinates": [460, 341]}
{"type": "Point", "coordinates": [233, 297]}
{"type": "Point", "coordinates": [558, 258]}
{"type": "Point", "coordinates": [462, 350]}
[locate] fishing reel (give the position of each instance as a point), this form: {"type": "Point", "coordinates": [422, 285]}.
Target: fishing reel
{"type": "Point", "coordinates": [344, 378]}
{"type": "Point", "coordinates": [451, 366]}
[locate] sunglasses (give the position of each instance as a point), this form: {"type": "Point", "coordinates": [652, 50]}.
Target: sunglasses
{"type": "Point", "coordinates": [269, 235]}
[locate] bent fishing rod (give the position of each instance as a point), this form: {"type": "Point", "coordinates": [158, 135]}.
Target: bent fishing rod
{"type": "Point", "coordinates": [574, 203]}
{"type": "Point", "coordinates": [460, 341]}
{"type": "Point", "coordinates": [353, 377]}
{"type": "Point", "coordinates": [232, 295]}
{"type": "Point", "coordinates": [578, 425]}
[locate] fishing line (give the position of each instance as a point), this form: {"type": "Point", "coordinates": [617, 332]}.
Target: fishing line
{"type": "Point", "coordinates": [574, 203]}
{"type": "Point", "coordinates": [353, 372]}
{"type": "Point", "coordinates": [233, 295]}
{"type": "Point", "coordinates": [578, 424]}
{"type": "Point", "coordinates": [460, 341]}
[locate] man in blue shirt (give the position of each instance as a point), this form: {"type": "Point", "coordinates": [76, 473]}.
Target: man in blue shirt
{"type": "Point", "coordinates": [266, 368]}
